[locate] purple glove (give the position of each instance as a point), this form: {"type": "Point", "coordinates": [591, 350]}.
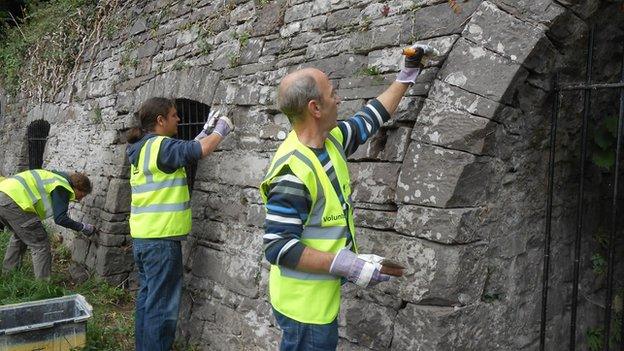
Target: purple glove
{"type": "Point", "coordinates": [357, 270]}
{"type": "Point", "coordinates": [413, 64]}
{"type": "Point", "coordinates": [87, 229]}
{"type": "Point", "coordinates": [223, 127]}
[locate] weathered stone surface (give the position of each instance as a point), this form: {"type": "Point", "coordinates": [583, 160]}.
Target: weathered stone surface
{"type": "Point", "coordinates": [374, 219]}
{"type": "Point", "coordinates": [439, 125]}
{"type": "Point", "coordinates": [438, 20]}
{"type": "Point", "coordinates": [498, 31]}
{"type": "Point", "coordinates": [248, 171]}
{"type": "Point", "coordinates": [375, 38]}
{"type": "Point", "coordinates": [373, 329]}
{"type": "Point", "coordinates": [111, 260]}
{"type": "Point", "coordinates": [430, 175]}
{"type": "Point", "coordinates": [482, 72]}
{"type": "Point", "coordinates": [232, 272]}
{"type": "Point", "coordinates": [458, 98]}
{"type": "Point", "coordinates": [118, 196]}
{"type": "Point", "coordinates": [373, 182]}
{"type": "Point", "coordinates": [268, 19]}
{"type": "Point", "coordinates": [339, 66]}
{"type": "Point", "coordinates": [453, 226]}
{"type": "Point", "coordinates": [434, 274]}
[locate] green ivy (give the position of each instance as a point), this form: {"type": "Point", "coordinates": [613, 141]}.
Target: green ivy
{"type": "Point", "coordinates": [604, 140]}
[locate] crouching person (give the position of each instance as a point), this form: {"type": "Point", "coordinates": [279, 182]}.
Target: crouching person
{"type": "Point", "coordinates": [31, 196]}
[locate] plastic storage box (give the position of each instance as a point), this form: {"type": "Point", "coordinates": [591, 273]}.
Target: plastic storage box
{"type": "Point", "coordinates": [51, 325]}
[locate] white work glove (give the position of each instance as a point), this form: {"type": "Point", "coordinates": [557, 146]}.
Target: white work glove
{"type": "Point", "coordinates": [212, 125]}
{"type": "Point", "coordinates": [363, 270]}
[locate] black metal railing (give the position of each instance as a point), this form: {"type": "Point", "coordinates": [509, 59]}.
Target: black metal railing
{"type": "Point", "coordinates": [587, 87]}
{"type": "Point", "coordinates": [193, 116]}
{"type": "Point", "coordinates": [37, 134]}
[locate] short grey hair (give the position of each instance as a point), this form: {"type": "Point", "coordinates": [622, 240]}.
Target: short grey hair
{"type": "Point", "coordinates": [294, 98]}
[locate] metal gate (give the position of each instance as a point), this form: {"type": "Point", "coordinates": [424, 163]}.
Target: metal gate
{"type": "Point", "coordinates": [587, 88]}
{"type": "Point", "coordinates": [37, 136]}
{"type": "Point", "coordinates": [193, 116]}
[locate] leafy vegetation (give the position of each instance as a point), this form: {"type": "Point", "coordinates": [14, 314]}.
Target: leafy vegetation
{"type": "Point", "coordinates": [42, 51]}
{"type": "Point", "coordinates": [605, 138]}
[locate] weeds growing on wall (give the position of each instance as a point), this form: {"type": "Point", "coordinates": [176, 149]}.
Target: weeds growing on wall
{"type": "Point", "coordinates": [43, 50]}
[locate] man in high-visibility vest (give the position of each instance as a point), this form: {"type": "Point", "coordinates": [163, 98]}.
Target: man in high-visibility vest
{"type": "Point", "coordinates": [27, 198]}
{"type": "Point", "coordinates": [160, 213]}
{"type": "Point", "coordinates": [309, 230]}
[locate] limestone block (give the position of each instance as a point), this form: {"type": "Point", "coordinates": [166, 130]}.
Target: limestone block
{"type": "Point", "coordinates": [396, 144]}
{"type": "Point", "coordinates": [370, 149]}
{"type": "Point", "coordinates": [316, 23]}
{"type": "Point", "coordinates": [391, 59]}
{"type": "Point", "coordinates": [343, 18]}
{"type": "Point", "coordinates": [501, 32]}
{"type": "Point", "coordinates": [408, 109]}
{"type": "Point", "coordinates": [454, 97]}
{"type": "Point", "coordinates": [374, 182]}
{"type": "Point", "coordinates": [113, 260]}
{"type": "Point", "coordinates": [327, 49]}
{"type": "Point", "coordinates": [375, 38]}
{"type": "Point", "coordinates": [233, 271]}
{"type": "Point", "coordinates": [118, 196]}
{"type": "Point", "coordinates": [438, 124]}
{"type": "Point", "coordinates": [374, 219]}
{"type": "Point", "coordinates": [542, 11]}
{"type": "Point", "coordinates": [149, 49]}
{"type": "Point", "coordinates": [113, 239]}
{"type": "Point", "coordinates": [447, 226]}
{"type": "Point", "coordinates": [482, 72]}
{"type": "Point", "coordinates": [234, 168]}
{"type": "Point", "coordinates": [373, 328]}
{"type": "Point", "coordinates": [437, 20]}
{"type": "Point", "coordinates": [434, 274]}
{"type": "Point", "coordinates": [115, 228]}
{"type": "Point", "coordinates": [251, 52]}
{"type": "Point", "coordinates": [268, 19]}
{"type": "Point", "coordinates": [339, 66]}
{"type": "Point", "coordinates": [430, 175]}
{"type": "Point", "coordinates": [298, 12]}
{"type": "Point", "coordinates": [421, 328]}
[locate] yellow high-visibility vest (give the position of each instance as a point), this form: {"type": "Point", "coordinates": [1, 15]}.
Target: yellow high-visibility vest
{"type": "Point", "coordinates": [31, 190]}
{"type": "Point", "coordinates": [310, 297]}
{"type": "Point", "coordinates": [160, 204]}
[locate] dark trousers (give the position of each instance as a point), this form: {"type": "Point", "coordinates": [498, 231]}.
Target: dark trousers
{"type": "Point", "coordinates": [159, 263]}
{"type": "Point", "coordinates": [297, 336]}
{"type": "Point", "coordinates": [28, 232]}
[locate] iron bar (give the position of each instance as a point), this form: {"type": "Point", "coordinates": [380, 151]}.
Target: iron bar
{"type": "Point", "coordinates": [610, 267]}
{"type": "Point", "coordinates": [579, 214]}
{"type": "Point", "coordinates": [192, 118]}
{"type": "Point", "coordinates": [594, 86]}
{"type": "Point", "coordinates": [550, 187]}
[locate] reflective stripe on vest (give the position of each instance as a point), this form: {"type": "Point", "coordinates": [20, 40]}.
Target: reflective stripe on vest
{"type": "Point", "coordinates": [326, 229]}
{"type": "Point", "coordinates": [160, 201]}
{"type": "Point", "coordinates": [31, 190]}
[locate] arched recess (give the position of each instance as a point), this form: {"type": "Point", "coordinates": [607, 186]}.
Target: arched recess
{"type": "Point", "coordinates": [193, 115]}
{"type": "Point", "coordinates": [37, 136]}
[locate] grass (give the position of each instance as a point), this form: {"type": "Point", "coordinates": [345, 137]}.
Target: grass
{"type": "Point", "coordinates": [110, 328]}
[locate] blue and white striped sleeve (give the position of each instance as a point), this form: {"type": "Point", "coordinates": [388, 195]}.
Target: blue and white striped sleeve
{"type": "Point", "coordinates": [288, 204]}
{"type": "Point", "coordinates": [360, 127]}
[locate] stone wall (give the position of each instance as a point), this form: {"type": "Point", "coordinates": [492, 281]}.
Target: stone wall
{"type": "Point", "coordinates": [454, 186]}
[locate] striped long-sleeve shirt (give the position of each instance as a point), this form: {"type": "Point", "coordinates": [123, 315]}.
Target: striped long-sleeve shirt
{"type": "Point", "coordinates": [289, 202]}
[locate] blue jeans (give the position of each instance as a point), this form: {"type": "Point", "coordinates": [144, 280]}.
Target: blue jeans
{"type": "Point", "coordinates": [159, 263]}
{"type": "Point", "coordinates": [297, 336]}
